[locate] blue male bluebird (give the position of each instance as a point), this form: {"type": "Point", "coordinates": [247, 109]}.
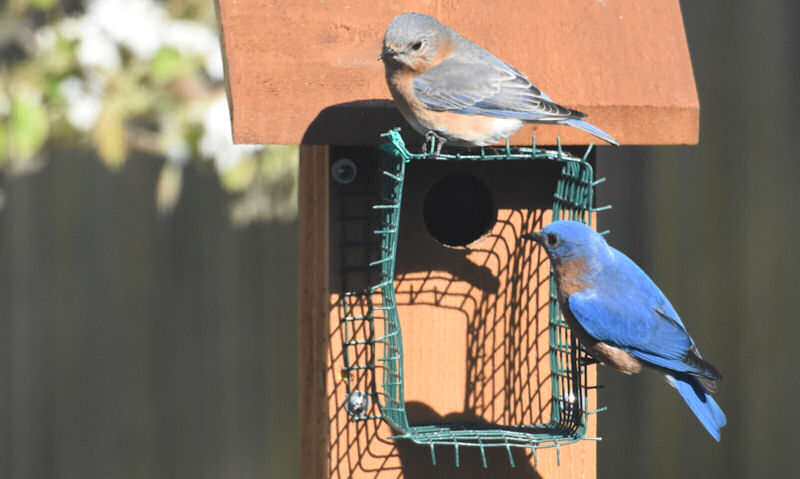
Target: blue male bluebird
{"type": "Point", "coordinates": [447, 86]}
{"type": "Point", "coordinates": [623, 320]}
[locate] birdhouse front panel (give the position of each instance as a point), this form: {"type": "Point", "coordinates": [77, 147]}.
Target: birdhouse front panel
{"type": "Point", "coordinates": [473, 301]}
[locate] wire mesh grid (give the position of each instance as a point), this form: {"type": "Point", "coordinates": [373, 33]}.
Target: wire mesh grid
{"type": "Point", "coordinates": [378, 351]}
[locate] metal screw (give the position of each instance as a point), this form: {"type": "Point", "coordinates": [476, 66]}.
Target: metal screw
{"type": "Point", "coordinates": [357, 403]}
{"type": "Point", "coordinates": [568, 402]}
{"type": "Point", "coordinates": [344, 171]}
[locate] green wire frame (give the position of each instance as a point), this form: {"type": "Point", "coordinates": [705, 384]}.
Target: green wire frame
{"type": "Point", "coordinates": [573, 200]}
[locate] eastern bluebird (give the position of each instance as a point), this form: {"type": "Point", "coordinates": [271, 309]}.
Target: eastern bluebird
{"type": "Point", "coordinates": [447, 86]}
{"type": "Point", "coordinates": [623, 319]}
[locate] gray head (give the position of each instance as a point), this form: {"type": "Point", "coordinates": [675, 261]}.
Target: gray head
{"type": "Point", "coordinates": [570, 239]}
{"type": "Point", "coordinates": [413, 41]}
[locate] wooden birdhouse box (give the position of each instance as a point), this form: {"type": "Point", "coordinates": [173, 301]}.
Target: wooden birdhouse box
{"type": "Point", "coordinates": [429, 334]}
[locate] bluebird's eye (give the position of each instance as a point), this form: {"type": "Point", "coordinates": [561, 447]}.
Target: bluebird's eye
{"type": "Point", "coordinates": [552, 240]}
{"type": "Point", "coordinates": [416, 46]}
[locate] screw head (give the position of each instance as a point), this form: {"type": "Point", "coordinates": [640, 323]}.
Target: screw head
{"type": "Point", "coordinates": [344, 171]}
{"type": "Point", "coordinates": [357, 403]}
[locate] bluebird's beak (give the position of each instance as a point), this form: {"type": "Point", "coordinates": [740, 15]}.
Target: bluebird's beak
{"type": "Point", "coordinates": [386, 52]}
{"type": "Point", "coordinates": [533, 237]}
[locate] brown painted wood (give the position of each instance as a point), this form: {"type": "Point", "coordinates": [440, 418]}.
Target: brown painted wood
{"type": "Point", "coordinates": [295, 68]}
{"type": "Point", "coordinates": [313, 308]}
{"type": "Point", "coordinates": [474, 324]}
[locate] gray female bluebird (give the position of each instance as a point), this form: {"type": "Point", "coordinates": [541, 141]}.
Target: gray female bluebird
{"type": "Point", "coordinates": [447, 86]}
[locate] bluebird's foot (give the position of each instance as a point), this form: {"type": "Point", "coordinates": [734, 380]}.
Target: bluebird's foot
{"type": "Point", "coordinates": [495, 151]}
{"type": "Point", "coordinates": [588, 361]}
{"type": "Point", "coordinates": [433, 139]}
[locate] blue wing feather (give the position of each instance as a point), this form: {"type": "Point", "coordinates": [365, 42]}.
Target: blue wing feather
{"type": "Point", "coordinates": [488, 87]}
{"type": "Point", "coordinates": [592, 130]}
{"type": "Point", "coordinates": [629, 325]}
{"type": "Point", "coordinates": [627, 310]}
{"type": "Point", "coordinates": [491, 87]}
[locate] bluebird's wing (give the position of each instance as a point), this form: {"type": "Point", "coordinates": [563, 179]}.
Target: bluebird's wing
{"type": "Point", "coordinates": [591, 129]}
{"type": "Point", "coordinates": [486, 86]}
{"type": "Point", "coordinates": [630, 312]}
{"type": "Point", "coordinates": [632, 327]}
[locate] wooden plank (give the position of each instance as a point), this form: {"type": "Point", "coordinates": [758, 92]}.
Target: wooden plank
{"type": "Point", "coordinates": [313, 308]}
{"type": "Point", "coordinates": [306, 72]}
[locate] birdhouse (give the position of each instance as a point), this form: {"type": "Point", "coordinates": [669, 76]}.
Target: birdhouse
{"type": "Point", "coordinates": [430, 337]}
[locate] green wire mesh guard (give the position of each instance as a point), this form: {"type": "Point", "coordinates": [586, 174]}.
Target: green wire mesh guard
{"type": "Point", "coordinates": [381, 357]}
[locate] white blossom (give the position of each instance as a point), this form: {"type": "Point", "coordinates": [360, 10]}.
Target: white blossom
{"type": "Point", "coordinates": [83, 105]}
{"type": "Point", "coordinates": [98, 50]}
{"type": "Point", "coordinates": [135, 24]}
{"type": "Point", "coordinates": [217, 142]}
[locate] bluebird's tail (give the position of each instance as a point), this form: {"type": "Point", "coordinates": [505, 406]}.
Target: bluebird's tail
{"type": "Point", "coordinates": [700, 402]}
{"type": "Point", "coordinates": [589, 128]}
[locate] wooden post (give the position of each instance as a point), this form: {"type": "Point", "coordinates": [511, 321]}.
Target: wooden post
{"type": "Point", "coordinates": [313, 309]}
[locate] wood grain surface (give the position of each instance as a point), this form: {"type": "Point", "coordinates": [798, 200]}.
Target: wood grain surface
{"type": "Point", "coordinates": [474, 322]}
{"type": "Point", "coordinates": [306, 72]}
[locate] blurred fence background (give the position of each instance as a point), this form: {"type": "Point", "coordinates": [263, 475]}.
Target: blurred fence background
{"type": "Point", "coordinates": [137, 346]}
{"type": "Point", "coordinates": [715, 225]}
{"type": "Point", "coordinates": [147, 267]}
{"type": "Point", "coordinates": [148, 279]}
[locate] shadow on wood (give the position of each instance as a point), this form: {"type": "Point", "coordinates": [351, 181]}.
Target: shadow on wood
{"type": "Point", "coordinates": [360, 122]}
{"type": "Point", "coordinates": [417, 462]}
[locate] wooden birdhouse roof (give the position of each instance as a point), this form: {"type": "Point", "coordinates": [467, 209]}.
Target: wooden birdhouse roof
{"type": "Point", "coordinates": [307, 72]}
